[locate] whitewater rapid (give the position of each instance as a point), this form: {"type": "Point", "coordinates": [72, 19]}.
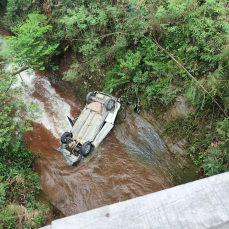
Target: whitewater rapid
{"type": "Point", "coordinates": [51, 108]}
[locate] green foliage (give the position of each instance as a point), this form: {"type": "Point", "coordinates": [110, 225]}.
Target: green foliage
{"type": "Point", "coordinates": [74, 73]}
{"type": "Point", "coordinates": [223, 130]}
{"type": "Point", "coordinates": [14, 214]}
{"type": "Point", "coordinates": [2, 192]}
{"type": "Point", "coordinates": [105, 33]}
{"type": "Point", "coordinates": [217, 161]}
{"type": "Point", "coordinates": [82, 19]}
{"type": "Point", "coordinates": [181, 127]}
{"type": "Point", "coordinates": [10, 120]}
{"type": "Point", "coordinates": [3, 5]}
{"type": "Point", "coordinates": [202, 38]}
{"type": "Point", "coordinates": [117, 38]}
{"type": "Point", "coordinates": [197, 159]}
{"type": "Point", "coordinates": [113, 42]}
{"type": "Point", "coordinates": [198, 129]}
{"type": "Point", "coordinates": [198, 133]}
{"type": "Point", "coordinates": [195, 34]}
{"type": "Point", "coordinates": [31, 45]}
{"type": "Point", "coordinates": [127, 68]}
{"type": "Point", "coordinates": [131, 62]}
{"type": "Point", "coordinates": [18, 182]}
{"type": "Point", "coordinates": [16, 10]}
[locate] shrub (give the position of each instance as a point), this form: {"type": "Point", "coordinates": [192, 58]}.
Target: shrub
{"type": "Point", "coordinates": [216, 161]}
{"type": "Point", "coordinates": [19, 184]}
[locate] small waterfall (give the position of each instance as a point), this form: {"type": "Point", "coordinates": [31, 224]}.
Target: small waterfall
{"type": "Point", "coordinates": [37, 90]}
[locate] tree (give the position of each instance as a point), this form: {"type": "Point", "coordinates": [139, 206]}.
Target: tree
{"type": "Point", "coordinates": [16, 162]}
{"type": "Point", "coordinates": [33, 44]}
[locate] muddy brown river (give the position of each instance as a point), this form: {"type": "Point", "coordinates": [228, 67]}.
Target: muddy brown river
{"type": "Point", "coordinates": [129, 162]}
{"type": "Point", "coordinates": [108, 176]}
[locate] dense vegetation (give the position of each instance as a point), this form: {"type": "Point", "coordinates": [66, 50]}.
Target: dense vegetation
{"type": "Point", "coordinates": [19, 184]}
{"type": "Point", "coordinates": [153, 49]}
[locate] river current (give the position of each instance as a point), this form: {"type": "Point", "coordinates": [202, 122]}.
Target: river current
{"type": "Point", "coordinates": [126, 165]}
{"type": "Point", "coordinates": [108, 176]}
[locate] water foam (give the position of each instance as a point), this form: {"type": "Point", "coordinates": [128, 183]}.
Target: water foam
{"type": "Point", "coordinates": [38, 91]}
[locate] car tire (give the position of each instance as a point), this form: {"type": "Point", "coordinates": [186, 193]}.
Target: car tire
{"type": "Point", "coordinates": [86, 148]}
{"type": "Point", "coordinates": [88, 97]}
{"type": "Point", "coordinates": [64, 137]}
{"type": "Point", "coordinates": [109, 104]}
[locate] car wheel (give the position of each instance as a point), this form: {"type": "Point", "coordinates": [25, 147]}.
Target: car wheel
{"type": "Point", "coordinates": [88, 97]}
{"type": "Point", "coordinates": [109, 104]}
{"type": "Point", "coordinates": [64, 137]}
{"type": "Point", "coordinates": [86, 148]}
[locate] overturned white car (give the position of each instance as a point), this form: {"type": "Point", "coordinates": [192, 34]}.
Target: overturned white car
{"type": "Point", "coordinates": [91, 127]}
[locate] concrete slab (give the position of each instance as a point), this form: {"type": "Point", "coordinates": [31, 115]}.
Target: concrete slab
{"type": "Point", "coordinates": [196, 205]}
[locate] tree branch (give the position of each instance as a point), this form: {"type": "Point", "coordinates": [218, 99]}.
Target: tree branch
{"type": "Point", "coordinates": [160, 47]}
{"type": "Point", "coordinates": [205, 8]}
{"type": "Point", "coordinates": [15, 73]}
{"type": "Point", "coordinates": [19, 71]}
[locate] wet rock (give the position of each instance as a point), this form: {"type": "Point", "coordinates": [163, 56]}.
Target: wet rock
{"type": "Point", "coordinates": [180, 108]}
{"type": "Point", "coordinates": [143, 138]}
